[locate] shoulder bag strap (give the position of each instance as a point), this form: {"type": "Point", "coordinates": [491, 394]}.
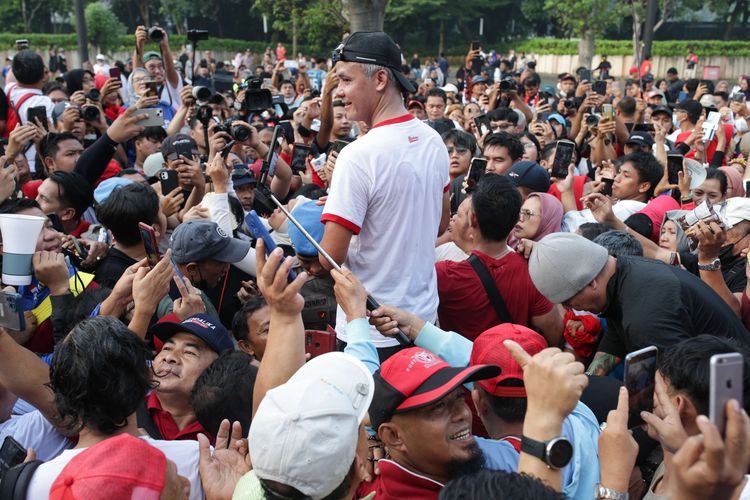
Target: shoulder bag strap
{"type": "Point", "coordinates": [491, 288]}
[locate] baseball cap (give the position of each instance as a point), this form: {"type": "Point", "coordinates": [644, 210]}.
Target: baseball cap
{"type": "Point", "coordinates": [305, 431]}
{"type": "Point", "coordinates": [100, 57]}
{"type": "Point", "coordinates": [478, 79]}
{"type": "Point", "coordinates": [488, 349]}
{"type": "Point", "coordinates": [59, 109]}
{"type": "Point", "coordinates": [151, 55]}
{"type": "Point", "coordinates": [308, 215]}
{"type": "Point", "coordinates": [548, 89]}
{"type": "Point", "coordinates": [531, 175]}
{"type": "Point", "coordinates": [123, 466]}
{"type": "Point", "coordinates": [662, 109]}
{"type": "Point", "coordinates": [152, 164]}
{"type": "Point", "coordinates": [558, 118]}
{"type": "Point", "coordinates": [168, 149]}
{"type": "Point", "coordinates": [203, 326]}
{"type": "Point", "coordinates": [641, 138]}
{"type": "Point", "coordinates": [672, 71]}
{"type": "Point", "coordinates": [373, 47]}
{"type": "Point", "coordinates": [415, 103]}
{"type": "Point", "coordinates": [567, 76]}
{"type": "Point", "coordinates": [736, 210]}
{"type": "Point", "coordinates": [109, 186]}
{"type": "Point", "coordinates": [449, 87]}
{"type": "Point", "coordinates": [243, 176]}
{"type": "Point", "coordinates": [692, 107]}
{"type": "Point", "coordinates": [198, 240]}
{"type": "Point", "coordinates": [414, 378]}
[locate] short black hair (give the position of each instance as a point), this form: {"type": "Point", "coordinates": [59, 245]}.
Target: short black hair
{"type": "Point", "coordinates": [225, 391]}
{"type": "Point", "coordinates": [715, 173]}
{"type": "Point", "coordinates": [503, 113]}
{"type": "Point", "coordinates": [153, 133]}
{"type": "Point", "coordinates": [648, 167]}
{"type": "Point", "coordinates": [125, 208]}
{"type": "Point", "coordinates": [498, 485]}
{"type": "Point", "coordinates": [73, 190]}
{"type": "Point", "coordinates": [620, 244]}
{"type": "Point", "coordinates": [512, 143]}
{"type": "Point", "coordinates": [461, 139]}
{"type": "Point", "coordinates": [28, 67]}
{"type": "Point", "coordinates": [510, 409]}
{"type": "Point", "coordinates": [686, 365]}
{"type": "Point", "coordinates": [627, 105]}
{"type": "Point", "coordinates": [11, 206]}
{"type": "Point", "coordinates": [52, 86]}
{"type": "Point", "coordinates": [496, 204]}
{"type": "Point", "coordinates": [437, 92]}
{"type": "Point", "coordinates": [239, 321]}
{"type": "Point", "coordinates": [532, 80]}
{"type": "Point", "coordinates": [590, 230]}
{"type": "Point", "coordinates": [50, 145]}
{"type": "Point", "coordinates": [99, 375]}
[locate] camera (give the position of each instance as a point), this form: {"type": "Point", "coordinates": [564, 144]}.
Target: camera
{"type": "Point", "coordinates": [195, 35]}
{"type": "Point", "coordinates": [507, 84]}
{"type": "Point", "coordinates": [592, 120]}
{"type": "Point", "coordinates": [156, 34]}
{"type": "Point", "coordinates": [237, 132]}
{"type": "Point", "coordinates": [90, 113]}
{"type": "Point", "coordinates": [569, 103]}
{"type": "Point", "coordinates": [93, 95]}
{"type": "Point", "coordinates": [202, 94]}
{"type": "Point", "coordinates": [204, 114]}
{"type": "Point", "coordinates": [256, 99]}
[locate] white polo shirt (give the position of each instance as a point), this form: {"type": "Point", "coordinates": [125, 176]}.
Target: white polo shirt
{"type": "Point", "coordinates": [388, 189]}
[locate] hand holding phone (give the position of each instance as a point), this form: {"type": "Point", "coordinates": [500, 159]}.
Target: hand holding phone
{"type": "Point", "coordinates": [640, 381]}
{"type": "Point", "coordinates": [563, 159]}
{"type": "Point", "coordinates": [11, 312]}
{"type": "Point", "coordinates": [12, 453]}
{"type": "Point", "coordinates": [259, 231]}
{"type": "Point", "coordinates": [319, 342]}
{"type": "Point", "coordinates": [150, 243]}
{"type": "Point", "coordinates": [727, 376]}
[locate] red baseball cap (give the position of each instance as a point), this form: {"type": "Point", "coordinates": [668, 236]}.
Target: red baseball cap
{"type": "Point", "coordinates": [489, 349]}
{"type": "Point", "coordinates": [414, 378]}
{"type": "Point", "coordinates": [122, 466]}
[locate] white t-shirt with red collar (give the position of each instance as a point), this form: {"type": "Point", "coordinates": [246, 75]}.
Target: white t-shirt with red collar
{"type": "Point", "coordinates": [388, 190]}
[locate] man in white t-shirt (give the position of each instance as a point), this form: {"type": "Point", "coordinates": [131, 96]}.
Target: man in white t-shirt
{"type": "Point", "coordinates": [160, 67]}
{"type": "Point", "coordinates": [388, 199]}
{"type": "Point", "coordinates": [25, 91]}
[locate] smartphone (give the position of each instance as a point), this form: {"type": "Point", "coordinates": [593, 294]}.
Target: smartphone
{"type": "Point", "coordinates": [640, 381]}
{"type": "Point", "coordinates": [710, 126]}
{"type": "Point", "coordinates": [682, 96]}
{"type": "Point", "coordinates": [38, 112]}
{"type": "Point", "coordinates": [727, 372]}
{"type": "Point", "coordinates": [168, 181]}
{"type": "Point", "coordinates": [542, 117]}
{"type": "Point", "coordinates": [150, 243]}
{"type": "Point", "coordinates": [338, 145]}
{"type": "Point", "coordinates": [608, 113]}
{"type": "Point", "coordinates": [586, 76]}
{"type": "Point", "coordinates": [11, 311]}
{"type": "Point", "coordinates": [674, 166]}
{"type": "Point", "coordinates": [477, 169]}
{"type": "Point", "coordinates": [259, 231]}
{"type": "Point", "coordinates": [299, 157]}
{"type": "Point", "coordinates": [319, 342]}
{"type": "Point", "coordinates": [81, 251]}
{"type": "Point", "coordinates": [563, 159]}
{"type": "Point", "coordinates": [738, 97]}
{"type": "Point", "coordinates": [267, 82]}
{"type": "Point", "coordinates": [475, 45]}
{"type": "Point", "coordinates": [599, 86]}
{"type": "Point", "coordinates": [607, 189]}
{"type": "Point", "coordinates": [12, 453]}
{"type": "Point", "coordinates": [155, 117]}
{"type": "Point", "coordinates": [273, 151]}
{"type": "Point", "coordinates": [483, 124]}
{"type": "Point", "coordinates": [152, 88]}
{"type": "Point", "coordinates": [227, 149]}
{"type": "Point", "coordinates": [114, 72]}
{"type": "Point", "coordinates": [643, 127]}
{"type": "Point", "coordinates": [174, 291]}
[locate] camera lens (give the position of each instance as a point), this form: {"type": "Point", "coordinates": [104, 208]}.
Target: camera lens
{"type": "Point", "coordinates": [93, 95]}
{"type": "Point", "coordinates": [240, 133]}
{"type": "Point", "coordinates": [592, 120]}
{"type": "Point", "coordinates": [156, 34]}
{"type": "Point", "coordinates": [568, 103]}
{"type": "Point", "coordinates": [202, 93]}
{"type": "Point", "coordinates": [90, 113]}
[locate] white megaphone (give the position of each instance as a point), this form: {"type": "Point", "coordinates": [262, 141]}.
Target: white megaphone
{"type": "Point", "coordinates": [20, 234]}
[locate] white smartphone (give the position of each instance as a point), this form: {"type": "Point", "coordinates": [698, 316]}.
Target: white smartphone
{"type": "Point", "coordinates": [155, 117]}
{"type": "Point", "coordinates": [726, 383]}
{"type": "Point", "coordinates": [710, 126]}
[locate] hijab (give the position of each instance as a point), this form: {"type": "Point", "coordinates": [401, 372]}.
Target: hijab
{"type": "Point", "coordinates": [133, 96]}
{"type": "Point", "coordinates": [552, 214]}
{"type": "Point", "coordinates": [734, 177]}
{"type": "Point", "coordinates": [74, 80]}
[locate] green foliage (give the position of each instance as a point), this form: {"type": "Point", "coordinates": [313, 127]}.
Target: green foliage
{"type": "Point", "coordinates": [678, 48]}
{"type": "Point", "coordinates": [104, 29]}
{"type": "Point", "coordinates": [575, 17]}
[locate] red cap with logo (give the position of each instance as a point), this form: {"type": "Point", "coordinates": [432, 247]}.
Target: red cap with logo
{"type": "Point", "coordinates": [413, 378]}
{"type": "Point", "coordinates": [489, 349]}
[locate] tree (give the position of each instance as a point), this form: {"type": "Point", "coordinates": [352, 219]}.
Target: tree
{"type": "Point", "coordinates": [365, 15]}
{"type": "Point", "coordinates": [104, 28]}
{"type": "Point", "coordinates": [585, 19]}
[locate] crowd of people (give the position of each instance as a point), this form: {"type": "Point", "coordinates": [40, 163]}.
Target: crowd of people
{"type": "Point", "coordinates": [361, 277]}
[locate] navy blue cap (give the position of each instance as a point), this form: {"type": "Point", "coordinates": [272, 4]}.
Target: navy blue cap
{"type": "Point", "coordinates": [531, 175]}
{"type": "Point", "coordinates": [203, 326]}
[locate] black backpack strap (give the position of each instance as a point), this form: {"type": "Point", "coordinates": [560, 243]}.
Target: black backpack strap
{"type": "Point", "coordinates": [145, 422]}
{"type": "Point", "coordinates": [16, 480]}
{"type": "Point", "coordinates": [491, 288]}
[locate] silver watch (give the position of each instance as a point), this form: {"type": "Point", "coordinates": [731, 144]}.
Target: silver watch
{"type": "Point", "coordinates": [713, 266]}
{"type": "Point", "coordinates": [602, 492]}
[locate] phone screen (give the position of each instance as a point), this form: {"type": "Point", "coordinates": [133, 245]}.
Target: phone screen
{"type": "Point", "coordinates": [153, 89]}
{"type": "Point", "coordinates": [477, 169]}
{"type": "Point", "coordinates": [12, 453]}
{"type": "Point", "coordinates": [586, 75]}
{"type": "Point", "coordinates": [563, 159]}
{"type": "Point", "coordinates": [640, 373]}
{"type": "Point", "coordinates": [11, 311]}
{"type": "Point", "coordinates": [600, 87]}
{"type": "Point", "coordinates": [149, 243]}
{"type": "Point", "coordinates": [483, 124]}
{"type": "Point", "coordinates": [474, 45]}
{"type": "Point", "coordinates": [299, 158]}
{"type": "Point", "coordinates": [607, 189]}
{"type": "Point", "coordinates": [674, 166]}
{"type": "Point", "coordinates": [37, 112]}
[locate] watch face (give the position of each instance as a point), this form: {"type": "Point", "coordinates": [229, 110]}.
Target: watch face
{"type": "Point", "coordinates": [559, 453]}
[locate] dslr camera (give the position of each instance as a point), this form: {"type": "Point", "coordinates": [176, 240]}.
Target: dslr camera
{"type": "Point", "coordinates": [508, 84]}
{"type": "Point", "coordinates": [256, 98]}
{"type": "Point", "coordinates": [156, 34]}
{"type": "Point", "coordinates": [238, 133]}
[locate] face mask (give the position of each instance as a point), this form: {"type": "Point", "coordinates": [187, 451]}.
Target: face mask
{"type": "Point", "coordinates": [675, 121]}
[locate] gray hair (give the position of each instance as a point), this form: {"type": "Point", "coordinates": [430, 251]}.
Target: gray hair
{"type": "Point", "coordinates": [370, 69]}
{"type": "Point", "coordinates": [620, 244]}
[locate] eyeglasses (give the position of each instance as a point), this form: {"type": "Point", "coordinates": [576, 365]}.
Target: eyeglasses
{"type": "Point", "coordinates": [525, 214]}
{"type": "Point", "coordinates": [503, 126]}
{"type": "Point", "coordinates": [457, 149]}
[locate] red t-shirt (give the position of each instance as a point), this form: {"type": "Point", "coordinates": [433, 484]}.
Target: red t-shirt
{"type": "Point", "coordinates": [166, 424]}
{"type": "Point", "coordinates": [464, 305]}
{"type": "Point", "coordinates": [728, 132]}
{"type": "Point", "coordinates": [397, 482]}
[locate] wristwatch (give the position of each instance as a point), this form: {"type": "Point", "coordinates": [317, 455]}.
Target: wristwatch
{"type": "Point", "coordinates": [556, 452]}
{"type": "Point", "coordinates": [713, 266]}
{"type": "Point", "coordinates": [608, 493]}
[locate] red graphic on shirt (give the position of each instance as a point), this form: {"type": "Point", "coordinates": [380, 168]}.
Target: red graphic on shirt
{"type": "Point", "coordinates": [413, 139]}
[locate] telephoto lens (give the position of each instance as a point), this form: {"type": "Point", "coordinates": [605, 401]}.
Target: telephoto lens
{"type": "Point", "coordinates": [90, 113]}
{"type": "Point", "coordinates": [240, 134]}
{"type": "Point", "coordinates": [156, 34]}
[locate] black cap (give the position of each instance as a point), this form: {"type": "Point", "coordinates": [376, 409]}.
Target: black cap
{"type": "Point", "coordinates": [640, 138]}
{"type": "Point", "coordinates": [672, 71]}
{"type": "Point", "coordinates": [662, 109]}
{"type": "Point", "coordinates": [692, 107]}
{"type": "Point", "coordinates": [373, 47]}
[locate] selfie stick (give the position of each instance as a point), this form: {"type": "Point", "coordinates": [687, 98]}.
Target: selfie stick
{"type": "Point", "coordinates": [372, 304]}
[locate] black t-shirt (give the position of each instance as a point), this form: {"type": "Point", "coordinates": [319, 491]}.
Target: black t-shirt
{"type": "Point", "coordinates": [732, 268]}
{"type": "Point", "coordinates": [112, 266]}
{"type": "Point", "coordinates": [652, 303]}
{"type": "Point", "coordinates": [456, 192]}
